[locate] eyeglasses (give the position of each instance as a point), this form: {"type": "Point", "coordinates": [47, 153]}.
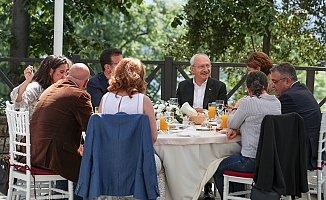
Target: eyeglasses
{"type": "Point", "coordinates": [276, 81]}
{"type": "Point", "coordinates": [203, 67]}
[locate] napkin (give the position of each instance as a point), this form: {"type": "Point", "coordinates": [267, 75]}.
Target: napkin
{"type": "Point", "coordinates": [188, 110]}
{"type": "Point", "coordinates": [191, 131]}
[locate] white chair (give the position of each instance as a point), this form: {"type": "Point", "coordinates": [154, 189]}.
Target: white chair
{"type": "Point", "coordinates": [24, 179]}
{"type": "Point", "coordinates": [319, 172]}
{"type": "Point", "coordinates": [238, 177]}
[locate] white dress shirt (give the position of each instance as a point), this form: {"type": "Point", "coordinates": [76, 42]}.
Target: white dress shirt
{"type": "Point", "coordinates": [199, 93]}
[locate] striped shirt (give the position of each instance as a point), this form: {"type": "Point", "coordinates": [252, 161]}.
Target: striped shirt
{"type": "Point", "coordinates": [248, 118]}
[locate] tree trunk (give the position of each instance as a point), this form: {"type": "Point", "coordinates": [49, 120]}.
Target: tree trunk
{"type": "Point", "coordinates": [267, 37]}
{"type": "Point", "coordinates": [20, 32]}
{"type": "Point", "coordinates": [267, 41]}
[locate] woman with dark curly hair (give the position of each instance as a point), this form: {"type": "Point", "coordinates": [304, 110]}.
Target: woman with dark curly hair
{"type": "Point", "coordinates": [246, 118]}
{"type": "Point", "coordinates": [52, 69]}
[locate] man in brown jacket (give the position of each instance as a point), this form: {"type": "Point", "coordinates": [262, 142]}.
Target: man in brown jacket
{"type": "Point", "coordinates": [60, 116]}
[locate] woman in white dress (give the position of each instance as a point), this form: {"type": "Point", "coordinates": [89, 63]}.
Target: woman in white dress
{"type": "Point", "coordinates": [126, 94]}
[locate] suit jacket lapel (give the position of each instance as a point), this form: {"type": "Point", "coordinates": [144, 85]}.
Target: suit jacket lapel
{"type": "Point", "coordinates": [104, 82]}
{"type": "Point", "coordinates": [191, 91]}
{"type": "Point", "coordinates": [208, 91]}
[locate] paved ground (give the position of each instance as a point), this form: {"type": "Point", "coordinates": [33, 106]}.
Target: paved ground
{"type": "Point", "coordinates": [313, 197]}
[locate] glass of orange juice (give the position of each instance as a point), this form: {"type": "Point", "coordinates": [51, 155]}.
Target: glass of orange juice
{"type": "Point", "coordinates": [211, 110]}
{"type": "Point", "coordinates": [163, 124]}
{"type": "Point", "coordinates": [224, 118]}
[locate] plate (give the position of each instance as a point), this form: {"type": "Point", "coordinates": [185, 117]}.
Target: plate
{"type": "Point", "coordinates": [213, 123]}
{"type": "Point", "coordinates": [183, 134]}
{"type": "Point", "coordinates": [203, 129]}
{"type": "Point", "coordinates": [176, 130]}
{"type": "Point", "coordinates": [223, 131]}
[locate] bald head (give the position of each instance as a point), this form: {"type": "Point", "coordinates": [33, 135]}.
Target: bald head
{"type": "Point", "coordinates": [79, 73]}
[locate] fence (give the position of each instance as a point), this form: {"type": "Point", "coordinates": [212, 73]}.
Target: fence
{"type": "Point", "coordinates": [171, 71]}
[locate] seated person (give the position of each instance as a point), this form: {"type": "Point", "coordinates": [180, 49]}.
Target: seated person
{"type": "Point", "coordinates": [98, 84]}
{"type": "Point", "coordinates": [246, 118]}
{"type": "Point", "coordinates": [52, 69]}
{"type": "Point", "coordinates": [59, 117]}
{"type": "Point", "coordinates": [261, 62]}
{"type": "Point", "coordinates": [296, 97]}
{"type": "Point", "coordinates": [126, 89]}
{"type": "Point", "coordinates": [202, 89]}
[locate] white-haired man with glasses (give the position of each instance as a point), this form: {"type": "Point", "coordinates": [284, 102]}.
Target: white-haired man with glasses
{"type": "Point", "coordinates": [201, 89]}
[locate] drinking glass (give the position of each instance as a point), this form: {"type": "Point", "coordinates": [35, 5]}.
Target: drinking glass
{"type": "Point", "coordinates": [211, 111]}
{"type": "Point", "coordinates": [168, 116]}
{"type": "Point", "coordinates": [163, 124]}
{"type": "Point", "coordinates": [173, 101]}
{"type": "Point", "coordinates": [96, 110]}
{"type": "Point", "coordinates": [225, 117]}
{"type": "Point", "coordinates": [205, 124]}
{"type": "Point", "coordinates": [219, 106]}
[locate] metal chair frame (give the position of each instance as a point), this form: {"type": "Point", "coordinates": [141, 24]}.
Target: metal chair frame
{"type": "Point", "coordinates": [320, 171]}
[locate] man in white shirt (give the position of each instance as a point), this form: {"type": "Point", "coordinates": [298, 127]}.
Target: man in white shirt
{"type": "Point", "coordinates": [202, 89]}
{"type": "Point", "coordinates": [199, 91]}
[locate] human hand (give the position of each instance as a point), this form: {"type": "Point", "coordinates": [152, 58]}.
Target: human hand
{"type": "Point", "coordinates": [199, 110]}
{"type": "Point", "coordinates": [80, 150]}
{"type": "Point", "coordinates": [237, 103]}
{"type": "Point", "coordinates": [232, 133]}
{"type": "Point", "coordinates": [28, 73]}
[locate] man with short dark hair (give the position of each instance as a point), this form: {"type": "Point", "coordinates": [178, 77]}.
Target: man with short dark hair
{"type": "Point", "coordinates": [296, 97]}
{"type": "Point", "coordinates": [98, 84]}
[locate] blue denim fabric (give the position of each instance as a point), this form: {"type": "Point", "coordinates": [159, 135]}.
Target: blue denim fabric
{"type": "Point", "coordinates": [63, 185]}
{"type": "Point", "coordinates": [236, 162]}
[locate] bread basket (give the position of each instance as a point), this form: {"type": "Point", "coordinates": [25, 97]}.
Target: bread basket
{"type": "Point", "coordinates": [198, 119]}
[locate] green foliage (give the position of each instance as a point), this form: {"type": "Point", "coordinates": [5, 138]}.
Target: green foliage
{"type": "Point", "coordinates": [214, 26]}
{"type": "Point", "coordinates": [142, 34]}
{"type": "Point", "coordinates": [2, 107]}
{"type": "Point", "coordinates": [140, 30]}
{"type": "Point", "coordinates": [75, 11]}
{"type": "Point", "coordinates": [229, 31]}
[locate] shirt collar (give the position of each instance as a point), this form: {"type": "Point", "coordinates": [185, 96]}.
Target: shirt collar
{"type": "Point", "coordinates": [294, 83]}
{"type": "Point", "coordinates": [204, 83]}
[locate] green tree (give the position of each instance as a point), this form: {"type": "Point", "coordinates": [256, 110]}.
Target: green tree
{"type": "Point", "coordinates": [36, 17]}
{"type": "Point", "coordinates": [229, 31]}
{"type": "Point", "coordinates": [142, 34]}
{"type": "Point", "coordinates": [140, 30]}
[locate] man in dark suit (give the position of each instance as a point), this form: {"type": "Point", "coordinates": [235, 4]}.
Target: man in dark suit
{"type": "Point", "coordinates": [59, 117]}
{"type": "Point", "coordinates": [296, 97]}
{"type": "Point", "coordinates": [200, 90]}
{"type": "Point", "coordinates": [98, 84]}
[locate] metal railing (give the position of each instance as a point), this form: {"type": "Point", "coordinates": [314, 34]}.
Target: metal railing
{"type": "Point", "coordinates": [170, 71]}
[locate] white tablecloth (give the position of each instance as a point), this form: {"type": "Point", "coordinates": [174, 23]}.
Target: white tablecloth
{"type": "Point", "coordinates": [190, 162]}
